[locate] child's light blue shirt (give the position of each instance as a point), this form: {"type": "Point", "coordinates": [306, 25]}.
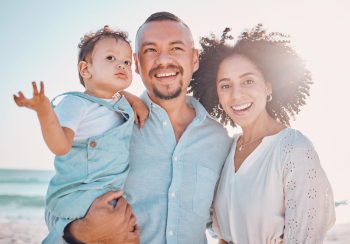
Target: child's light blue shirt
{"type": "Point", "coordinates": [93, 166]}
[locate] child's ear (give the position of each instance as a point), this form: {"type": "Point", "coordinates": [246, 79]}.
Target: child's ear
{"type": "Point", "coordinates": [136, 64]}
{"type": "Point", "coordinates": [84, 70]}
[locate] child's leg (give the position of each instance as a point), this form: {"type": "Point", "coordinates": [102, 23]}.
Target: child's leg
{"type": "Point", "coordinates": [56, 226]}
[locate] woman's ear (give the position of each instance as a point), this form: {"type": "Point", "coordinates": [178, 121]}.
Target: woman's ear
{"type": "Point", "coordinates": [268, 88]}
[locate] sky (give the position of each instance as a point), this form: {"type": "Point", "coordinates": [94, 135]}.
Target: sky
{"type": "Point", "coordinates": [39, 42]}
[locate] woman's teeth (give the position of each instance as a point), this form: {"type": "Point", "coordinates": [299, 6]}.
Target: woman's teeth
{"type": "Point", "coordinates": [241, 107]}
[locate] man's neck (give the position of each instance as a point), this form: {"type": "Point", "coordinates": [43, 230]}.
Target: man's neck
{"type": "Point", "coordinates": [180, 113]}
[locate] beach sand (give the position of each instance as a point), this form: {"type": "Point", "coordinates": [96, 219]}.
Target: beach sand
{"type": "Point", "coordinates": [29, 232]}
{"type": "Point", "coordinates": [22, 232]}
{"type": "Point", "coordinates": [339, 234]}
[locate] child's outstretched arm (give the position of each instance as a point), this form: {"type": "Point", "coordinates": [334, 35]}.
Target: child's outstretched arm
{"type": "Point", "coordinates": [58, 139]}
{"type": "Point", "coordinates": [140, 109]}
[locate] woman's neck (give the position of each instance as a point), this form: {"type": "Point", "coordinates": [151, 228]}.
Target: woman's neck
{"type": "Point", "coordinates": [265, 125]}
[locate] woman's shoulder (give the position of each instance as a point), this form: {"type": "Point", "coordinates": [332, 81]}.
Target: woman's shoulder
{"type": "Point", "coordinates": [297, 149]}
{"type": "Point", "coordinates": [294, 139]}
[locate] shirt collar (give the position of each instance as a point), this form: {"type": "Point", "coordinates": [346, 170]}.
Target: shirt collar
{"type": "Point", "coordinates": [201, 113]}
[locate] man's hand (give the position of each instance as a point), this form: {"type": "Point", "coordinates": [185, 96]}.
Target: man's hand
{"type": "Point", "coordinates": [38, 102]}
{"type": "Point", "coordinates": [105, 223]}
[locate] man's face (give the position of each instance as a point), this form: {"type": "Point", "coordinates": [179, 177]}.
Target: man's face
{"type": "Point", "coordinates": [165, 58]}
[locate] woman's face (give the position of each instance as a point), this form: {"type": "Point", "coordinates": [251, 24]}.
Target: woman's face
{"type": "Point", "coordinates": [242, 90]}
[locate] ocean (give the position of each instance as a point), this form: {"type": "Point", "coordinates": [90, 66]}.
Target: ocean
{"type": "Point", "coordinates": [22, 204]}
{"type": "Point", "coordinates": [22, 194]}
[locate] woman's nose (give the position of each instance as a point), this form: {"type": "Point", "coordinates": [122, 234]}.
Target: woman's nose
{"type": "Point", "coordinates": [236, 92]}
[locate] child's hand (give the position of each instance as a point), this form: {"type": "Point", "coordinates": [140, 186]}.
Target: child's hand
{"type": "Point", "coordinates": [140, 111]}
{"type": "Point", "coordinates": [38, 102]}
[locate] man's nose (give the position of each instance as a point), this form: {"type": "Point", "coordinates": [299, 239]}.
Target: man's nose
{"type": "Point", "coordinates": [164, 58]}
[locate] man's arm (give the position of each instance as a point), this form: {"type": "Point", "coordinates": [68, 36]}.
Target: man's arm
{"type": "Point", "coordinates": [58, 139]}
{"type": "Point", "coordinates": [105, 223]}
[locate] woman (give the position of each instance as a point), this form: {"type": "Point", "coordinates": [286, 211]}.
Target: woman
{"type": "Point", "coordinates": [272, 188]}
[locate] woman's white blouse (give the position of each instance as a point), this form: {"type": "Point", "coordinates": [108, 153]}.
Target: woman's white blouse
{"type": "Point", "coordinates": [280, 193]}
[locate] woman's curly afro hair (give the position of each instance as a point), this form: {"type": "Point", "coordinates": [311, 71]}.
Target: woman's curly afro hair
{"type": "Point", "coordinates": [274, 57]}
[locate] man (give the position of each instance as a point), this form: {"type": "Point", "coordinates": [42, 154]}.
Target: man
{"type": "Point", "coordinates": [176, 159]}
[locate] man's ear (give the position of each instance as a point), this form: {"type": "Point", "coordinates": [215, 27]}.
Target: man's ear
{"type": "Point", "coordinates": [195, 60]}
{"type": "Point", "coordinates": [84, 71]}
{"type": "Point", "coordinates": [136, 64]}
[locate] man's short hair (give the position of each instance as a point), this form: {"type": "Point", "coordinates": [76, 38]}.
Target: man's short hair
{"type": "Point", "coordinates": [160, 16]}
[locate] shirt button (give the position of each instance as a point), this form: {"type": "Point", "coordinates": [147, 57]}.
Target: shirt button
{"type": "Point", "coordinates": [173, 194]}
{"type": "Point", "coordinates": [164, 123]}
{"type": "Point", "coordinates": [171, 233]}
{"type": "Point", "coordinates": [93, 144]}
{"type": "Point", "coordinates": [175, 158]}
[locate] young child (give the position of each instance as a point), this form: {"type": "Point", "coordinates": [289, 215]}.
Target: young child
{"type": "Point", "coordinates": [88, 132]}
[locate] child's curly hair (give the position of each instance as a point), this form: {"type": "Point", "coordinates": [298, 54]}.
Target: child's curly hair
{"type": "Point", "coordinates": [88, 42]}
{"type": "Point", "coordinates": [274, 57]}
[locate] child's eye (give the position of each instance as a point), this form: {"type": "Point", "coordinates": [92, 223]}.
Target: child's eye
{"type": "Point", "coordinates": [127, 63]}
{"type": "Point", "coordinates": [111, 58]}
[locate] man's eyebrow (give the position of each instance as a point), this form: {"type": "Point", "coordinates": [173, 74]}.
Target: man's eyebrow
{"type": "Point", "coordinates": [177, 42]}
{"type": "Point", "coordinates": [149, 43]}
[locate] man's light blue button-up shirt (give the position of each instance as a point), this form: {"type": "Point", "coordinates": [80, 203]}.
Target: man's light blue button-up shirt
{"type": "Point", "coordinates": [171, 185]}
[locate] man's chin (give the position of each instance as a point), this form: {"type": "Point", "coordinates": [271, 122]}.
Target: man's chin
{"type": "Point", "coordinates": [168, 95]}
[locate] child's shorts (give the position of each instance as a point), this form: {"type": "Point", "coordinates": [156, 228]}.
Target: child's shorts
{"type": "Point", "coordinates": [56, 226]}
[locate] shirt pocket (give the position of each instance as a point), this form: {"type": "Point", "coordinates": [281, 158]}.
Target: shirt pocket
{"type": "Point", "coordinates": [204, 191]}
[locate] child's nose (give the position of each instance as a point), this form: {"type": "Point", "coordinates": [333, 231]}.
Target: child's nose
{"type": "Point", "coordinates": [121, 66]}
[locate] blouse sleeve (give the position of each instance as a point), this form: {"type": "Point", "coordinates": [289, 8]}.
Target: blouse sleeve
{"type": "Point", "coordinates": [214, 229]}
{"type": "Point", "coordinates": [309, 205]}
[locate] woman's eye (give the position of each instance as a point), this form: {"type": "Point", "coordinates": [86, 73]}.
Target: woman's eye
{"type": "Point", "coordinates": [127, 63]}
{"type": "Point", "coordinates": [111, 58]}
{"type": "Point", "coordinates": [225, 86]}
{"type": "Point", "coordinates": [248, 82]}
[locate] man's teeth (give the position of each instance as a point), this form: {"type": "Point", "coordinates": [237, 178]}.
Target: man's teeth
{"type": "Point", "coordinates": [241, 107]}
{"type": "Point", "coordinates": [165, 74]}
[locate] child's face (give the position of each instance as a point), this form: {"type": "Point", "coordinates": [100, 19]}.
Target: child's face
{"type": "Point", "coordinates": [109, 67]}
